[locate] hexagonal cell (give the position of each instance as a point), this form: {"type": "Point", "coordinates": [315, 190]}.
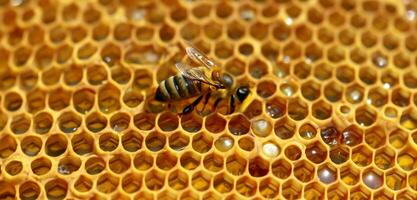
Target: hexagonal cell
{"type": "Point", "coordinates": [406, 194]}
{"type": "Point", "coordinates": [59, 99]}
{"type": "Point", "coordinates": [201, 180]}
{"type": "Point", "coordinates": [365, 116]}
{"type": "Point", "coordinates": [389, 79]}
{"type": "Point", "coordinates": [265, 88]}
{"type": "Point", "coordinates": [41, 166]}
{"type": "Point", "coordinates": [56, 189]}
{"type": "Point", "coordinates": [349, 174]}
{"type": "Point", "coordinates": [96, 122]}
{"type": "Point", "coordinates": [330, 135]}
{"type": "Point", "coordinates": [377, 97]}
{"type": "Point", "coordinates": [20, 123]}
{"type": "Point", "coordinates": [291, 189]}
{"type": "Point", "coordinates": [302, 70]}
{"type": "Point", "coordinates": [269, 188]}
{"type": "Point", "coordinates": [322, 71]}
{"type": "Point", "coordinates": [339, 154]}
{"type": "Point", "coordinates": [398, 138]}
{"type": "Point", "coordinates": [412, 180]}
{"type": "Point", "coordinates": [333, 91]}
{"type": "Point", "coordinates": [72, 74]}
{"type": "Point", "coordinates": [119, 163]}
{"type": "Point", "coordinates": [304, 171]}
{"type": "Point", "coordinates": [408, 119]}
{"type": "Point", "coordinates": [253, 109]}
{"type": "Point", "coordinates": [224, 49]}
{"type": "Point", "coordinates": [236, 165]}
{"type": "Point", "coordinates": [362, 156]}
{"type": "Point", "coordinates": [406, 159]}
{"type": "Point", "coordinates": [29, 190]}
{"type": "Point", "coordinates": [178, 180]}
{"type": "Point", "coordinates": [246, 186]}
{"type": "Point", "coordinates": [336, 54]}
{"type": "Point", "coordinates": [400, 97]}
{"type": "Point", "coordinates": [9, 147]}
{"type": "Point", "coordinates": [168, 121]}
{"type": "Point", "coordinates": [360, 192]}
{"type": "Point", "coordinates": [384, 194]}
{"type": "Point", "coordinates": [202, 142]}
{"type": "Point", "coordinates": [132, 97]}
{"type": "Point", "coordinates": [108, 141]}
{"type": "Point", "coordinates": [258, 167]}
{"type": "Point", "coordinates": [384, 157]}
{"type": "Point", "coordinates": [143, 161]}
{"type": "Point", "coordinates": [352, 136]}
{"type": "Point", "coordinates": [69, 122]}
{"type": "Point", "coordinates": [3, 120]}
{"type": "Point", "coordinates": [307, 131]}
{"type": "Point", "coordinates": [410, 79]}
{"type": "Point", "coordinates": [395, 179]}
{"type": "Point", "coordinates": [31, 145]}
{"type": "Point", "coordinates": [83, 100]}
{"type": "Point", "coordinates": [190, 160]}
{"type": "Point", "coordinates": [155, 141]}
{"type": "Point", "coordinates": [96, 74]}
{"type": "Point", "coordinates": [327, 173]}
{"type": "Point", "coordinates": [14, 167]}
{"type": "Point", "coordinates": [132, 182]}
{"type": "Point", "coordinates": [132, 141]}
{"type": "Point", "coordinates": [314, 191]}
{"type": "Point", "coordinates": [224, 143]}
{"type": "Point", "coordinates": [107, 183]}
{"type": "Point", "coordinates": [12, 101]}
{"type": "Point", "coordinates": [292, 51]}
{"type": "Point", "coordinates": [281, 32]}
{"type": "Point", "coordinates": [284, 128]}
{"type": "Point", "coordinates": [191, 123]}
{"type": "Point", "coordinates": [375, 137]}
{"type": "Point", "coordinates": [108, 98]}
{"type": "Point", "coordinates": [213, 162]}
{"type": "Point", "coordinates": [119, 121]}
{"type": "Point", "coordinates": [367, 75]}
{"type": "Point", "coordinates": [238, 125]}
{"type": "Point", "coordinates": [288, 88]}
{"type": "Point", "coordinates": [281, 168]}
{"type": "Point", "coordinates": [276, 107]}
{"type": "Point", "coordinates": [235, 30]}
{"type": "Point", "coordinates": [69, 164]}
{"type": "Point", "coordinates": [215, 123]}
{"type": "Point", "coordinates": [56, 145]}
{"type": "Point", "coordinates": [337, 191]}
{"type": "Point", "coordinates": [293, 152]}
{"type": "Point", "coordinates": [354, 93]}
{"type": "Point", "coordinates": [166, 160]}
{"type": "Point", "coordinates": [42, 122]}
{"type": "Point", "coordinates": [144, 121]}
{"type": "Point", "coordinates": [83, 184]}
{"type": "Point", "coordinates": [372, 178]}
{"type": "Point", "coordinates": [321, 110]}
{"type": "Point", "coordinates": [311, 90]}
{"type": "Point", "coordinates": [223, 183]}
{"type": "Point", "coordinates": [316, 152]}
{"type": "Point", "coordinates": [345, 74]}
{"type": "Point", "coordinates": [82, 143]}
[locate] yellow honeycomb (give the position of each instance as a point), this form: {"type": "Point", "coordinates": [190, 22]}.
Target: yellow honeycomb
{"type": "Point", "coordinates": [333, 113]}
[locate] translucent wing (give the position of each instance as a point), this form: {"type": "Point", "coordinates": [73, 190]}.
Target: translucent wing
{"type": "Point", "coordinates": [195, 74]}
{"type": "Point", "coordinates": [197, 56]}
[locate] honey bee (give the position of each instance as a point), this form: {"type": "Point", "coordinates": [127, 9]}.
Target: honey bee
{"type": "Point", "coordinates": [200, 82]}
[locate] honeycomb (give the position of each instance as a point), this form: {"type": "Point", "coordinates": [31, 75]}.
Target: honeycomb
{"type": "Point", "coordinates": [332, 113]}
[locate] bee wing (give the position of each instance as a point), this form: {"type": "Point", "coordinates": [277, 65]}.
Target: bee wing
{"type": "Point", "coordinates": [195, 74]}
{"type": "Point", "coordinates": [199, 57]}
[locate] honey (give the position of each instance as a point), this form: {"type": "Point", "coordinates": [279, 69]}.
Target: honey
{"type": "Point", "coordinates": [332, 113]}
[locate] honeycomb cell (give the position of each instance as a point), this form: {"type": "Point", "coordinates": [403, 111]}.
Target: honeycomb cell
{"type": "Point", "coordinates": [339, 154]}
{"type": "Point", "coordinates": [14, 167]}
{"type": "Point", "coordinates": [107, 183]}
{"type": "Point", "coordinates": [119, 163]}
{"type": "Point", "coordinates": [82, 143]}
{"type": "Point", "coordinates": [310, 90]}
{"type": "Point", "coordinates": [31, 145]}
{"type": "Point", "coordinates": [69, 122]}
{"type": "Point", "coordinates": [83, 100]}
{"type": "Point", "coordinates": [321, 110]}
{"type": "Point", "coordinates": [83, 184]}
{"type": "Point", "coordinates": [223, 183]}
{"type": "Point", "coordinates": [303, 171]}
{"type": "Point", "coordinates": [29, 190]}
{"type": "Point", "coordinates": [362, 156]}
{"type": "Point", "coordinates": [68, 165]}
{"type": "Point", "coordinates": [132, 98]}
{"type": "Point", "coordinates": [246, 143]}
{"type": "Point", "coordinates": [109, 98]}
{"type": "Point", "coordinates": [95, 122]}
{"type": "Point", "coordinates": [398, 138]}
{"type": "Point", "coordinates": [168, 121]}
{"type": "Point", "coordinates": [316, 152]}
{"type": "Point", "coordinates": [384, 157]}
{"type": "Point", "coordinates": [291, 189]}
{"type": "Point", "coordinates": [405, 159]}
{"type": "Point", "coordinates": [375, 137]}
{"type": "Point", "coordinates": [144, 121]}
{"type": "Point", "coordinates": [365, 116]}
{"type": "Point", "coordinates": [20, 124]}
{"type": "Point", "coordinates": [372, 178]}
{"type": "Point", "coordinates": [72, 75]}
{"type": "Point", "coordinates": [13, 101]}
{"type": "Point", "coordinates": [41, 166]}
{"type": "Point", "coordinates": [408, 119]}
{"type": "Point", "coordinates": [108, 141]}
{"type": "Point", "coordinates": [238, 125]}
{"type": "Point", "coordinates": [276, 107]}
{"type": "Point", "coordinates": [59, 99]}
{"type": "Point", "coordinates": [307, 131]}
{"type": "Point", "coordinates": [224, 143]}
{"type": "Point", "coordinates": [349, 174]}
{"type": "Point", "coordinates": [143, 161]}
{"type": "Point", "coordinates": [96, 74]}
{"type": "Point", "coordinates": [56, 189]}
{"type": "Point", "coordinates": [293, 152]}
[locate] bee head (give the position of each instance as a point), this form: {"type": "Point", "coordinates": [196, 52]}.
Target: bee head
{"type": "Point", "coordinates": [242, 93]}
{"type": "Point", "coordinates": [226, 80]}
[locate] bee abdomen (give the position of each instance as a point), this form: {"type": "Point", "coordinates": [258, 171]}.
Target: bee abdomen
{"type": "Point", "coordinates": [176, 88]}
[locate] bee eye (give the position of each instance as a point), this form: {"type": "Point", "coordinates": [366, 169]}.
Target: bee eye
{"type": "Point", "coordinates": [242, 93]}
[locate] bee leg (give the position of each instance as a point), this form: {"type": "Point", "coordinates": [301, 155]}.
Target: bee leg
{"type": "Point", "coordinates": [206, 99]}
{"type": "Point", "coordinates": [191, 107]}
{"type": "Point", "coordinates": [216, 103]}
{"type": "Point", "coordinates": [232, 104]}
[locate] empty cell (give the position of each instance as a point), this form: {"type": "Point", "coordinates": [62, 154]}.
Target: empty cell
{"type": "Point", "coordinates": [42, 122]}
{"type": "Point", "coordinates": [108, 141]}
{"type": "Point", "coordinates": [68, 165]}
{"type": "Point", "coordinates": [29, 190]}
{"type": "Point", "coordinates": [56, 144]}
{"type": "Point", "coordinates": [69, 122]}
{"type": "Point", "coordinates": [41, 166]}
{"type": "Point", "coordinates": [166, 160]}
{"type": "Point", "coordinates": [304, 171]}
{"type": "Point", "coordinates": [83, 184]}
{"type": "Point", "coordinates": [20, 124]}
{"type": "Point", "coordinates": [224, 143]}
{"type": "Point", "coordinates": [82, 143]}
{"type": "Point", "coordinates": [13, 101]}
{"type": "Point", "coordinates": [143, 161]}
{"type": "Point", "coordinates": [132, 141]}
{"type": "Point", "coordinates": [119, 163]}
{"type": "Point", "coordinates": [107, 183]}
{"type": "Point", "coordinates": [83, 100]}
{"type": "Point", "coordinates": [132, 182]}
{"type": "Point", "coordinates": [31, 145]}
{"type": "Point", "coordinates": [56, 189]}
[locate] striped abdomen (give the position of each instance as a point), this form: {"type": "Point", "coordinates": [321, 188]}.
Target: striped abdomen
{"type": "Point", "coordinates": [177, 88]}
